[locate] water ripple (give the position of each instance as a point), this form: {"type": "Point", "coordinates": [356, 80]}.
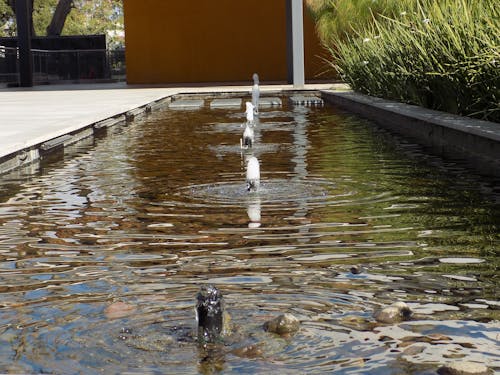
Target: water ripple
{"type": "Point", "coordinates": [102, 252]}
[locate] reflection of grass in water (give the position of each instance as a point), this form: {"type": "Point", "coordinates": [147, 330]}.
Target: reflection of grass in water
{"type": "Point", "coordinates": [447, 211]}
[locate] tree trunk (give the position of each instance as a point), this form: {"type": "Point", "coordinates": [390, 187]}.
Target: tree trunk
{"type": "Point", "coordinates": [12, 4]}
{"type": "Point", "coordinates": [59, 18]}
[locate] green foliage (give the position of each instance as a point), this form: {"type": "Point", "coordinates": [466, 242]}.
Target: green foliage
{"type": "Point", "coordinates": [97, 17]}
{"type": "Point", "coordinates": [42, 14]}
{"type": "Point", "coordinates": [339, 19]}
{"type": "Point", "coordinates": [86, 17]}
{"type": "Point", "coordinates": [7, 25]}
{"type": "Point", "coordinates": [443, 55]}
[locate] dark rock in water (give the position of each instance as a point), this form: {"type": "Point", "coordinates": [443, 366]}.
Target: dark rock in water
{"type": "Point", "coordinates": [426, 261]}
{"type": "Point", "coordinates": [464, 368]}
{"type": "Point", "coordinates": [283, 324]}
{"type": "Point", "coordinates": [209, 314]}
{"type": "Point", "coordinates": [395, 313]}
{"type": "Point", "coordinates": [356, 270]}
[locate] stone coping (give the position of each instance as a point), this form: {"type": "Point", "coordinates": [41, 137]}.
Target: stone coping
{"type": "Point", "coordinates": [475, 140]}
{"type": "Point", "coordinates": [469, 125]}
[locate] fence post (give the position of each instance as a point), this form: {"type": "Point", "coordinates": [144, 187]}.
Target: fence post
{"type": "Point", "coordinates": [23, 12]}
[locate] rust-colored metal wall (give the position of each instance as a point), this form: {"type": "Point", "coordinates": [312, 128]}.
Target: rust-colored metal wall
{"type": "Point", "coordinates": [171, 41]}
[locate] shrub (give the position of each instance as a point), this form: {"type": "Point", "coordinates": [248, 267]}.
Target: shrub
{"type": "Point", "coordinates": [442, 54]}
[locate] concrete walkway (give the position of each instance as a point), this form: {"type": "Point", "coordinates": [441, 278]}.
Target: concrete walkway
{"type": "Point", "coordinates": [30, 117]}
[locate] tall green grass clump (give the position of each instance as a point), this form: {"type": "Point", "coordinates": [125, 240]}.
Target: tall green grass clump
{"type": "Point", "coordinates": [337, 19]}
{"type": "Point", "coordinates": [443, 55]}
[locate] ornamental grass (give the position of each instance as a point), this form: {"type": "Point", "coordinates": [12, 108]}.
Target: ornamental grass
{"type": "Point", "coordinates": [443, 55]}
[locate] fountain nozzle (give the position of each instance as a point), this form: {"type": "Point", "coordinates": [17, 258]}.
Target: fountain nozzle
{"type": "Point", "coordinates": [209, 314]}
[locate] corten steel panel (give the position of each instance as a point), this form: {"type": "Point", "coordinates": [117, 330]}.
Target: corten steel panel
{"type": "Point", "coordinates": [171, 41]}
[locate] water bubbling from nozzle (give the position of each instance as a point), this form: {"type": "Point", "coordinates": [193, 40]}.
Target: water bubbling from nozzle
{"type": "Point", "coordinates": [209, 314]}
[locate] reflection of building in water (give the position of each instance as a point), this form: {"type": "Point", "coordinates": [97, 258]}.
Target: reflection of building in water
{"type": "Point", "coordinates": [300, 142]}
{"type": "Point", "coordinates": [300, 145]}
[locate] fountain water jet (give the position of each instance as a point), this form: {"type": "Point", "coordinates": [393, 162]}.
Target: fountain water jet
{"type": "Point", "coordinates": [209, 314]}
{"type": "Point", "coordinates": [249, 111]}
{"type": "Point", "coordinates": [248, 136]}
{"type": "Point", "coordinates": [248, 133]}
{"type": "Point", "coordinates": [253, 174]}
{"type": "Point", "coordinates": [255, 93]}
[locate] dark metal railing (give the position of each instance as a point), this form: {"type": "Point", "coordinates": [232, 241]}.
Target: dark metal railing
{"type": "Point", "coordinates": [9, 68]}
{"type": "Point", "coordinates": [65, 65]}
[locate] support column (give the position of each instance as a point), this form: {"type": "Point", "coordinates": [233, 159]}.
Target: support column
{"type": "Point", "coordinates": [24, 43]}
{"type": "Point", "coordinates": [295, 42]}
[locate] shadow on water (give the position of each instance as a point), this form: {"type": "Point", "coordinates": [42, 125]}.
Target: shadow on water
{"type": "Point", "coordinates": [102, 254]}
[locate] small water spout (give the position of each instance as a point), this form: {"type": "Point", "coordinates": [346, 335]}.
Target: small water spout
{"type": "Point", "coordinates": [249, 111]}
{"type": "Point", "coordinates": [209, 314]}
{"type": "Point", "coordinates": [248, 136]}
{"type": "Point", "coordinates": [253, 174]}
{"type": "Point", "coordinates": [255, 93]}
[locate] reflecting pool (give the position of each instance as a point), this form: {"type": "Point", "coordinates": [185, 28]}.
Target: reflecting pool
{"type": "Point", "coordinates": [102, 252]}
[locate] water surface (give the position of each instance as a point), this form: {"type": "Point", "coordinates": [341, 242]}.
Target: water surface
{"type": "Point", "coordinates": [102, 253]}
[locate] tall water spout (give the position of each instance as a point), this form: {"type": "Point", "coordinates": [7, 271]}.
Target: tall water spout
{"type": "Point", "coordinates": [253, 174]}
{"type": "Point", "coordinates": [255, 93]}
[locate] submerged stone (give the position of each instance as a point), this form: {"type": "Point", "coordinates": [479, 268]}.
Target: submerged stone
{"type": "Point", "coordinates": [270, 102]}
{"type": "Point", "coordinates": [395, 313]}
{"type": "Point", "coordinates": [358, 323]}
{"type": "Point", "coordinates": [119, 310]}
{"type": "Point", "coordinates": [250, 351]}
{"type": "Point", "coordinates": [152, 343]}
{"type": "Point", "coordinates": [306, 100]}
{"type": "Point", "coordinates": [356, 270]}
{"type": "Point", "coordinates": [283, 324]}
{"type": "Point", "coordinates": [187, 104]}
{"type": "Point", "coordinates": [414, 350]}
{"type": "Point", "coordinates": [464, 368]}
{"type": "Point", "coordinates": [225, 103]}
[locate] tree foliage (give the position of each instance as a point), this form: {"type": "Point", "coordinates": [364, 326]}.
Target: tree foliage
{"type": "Point", "coordinates": [74, 17]}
